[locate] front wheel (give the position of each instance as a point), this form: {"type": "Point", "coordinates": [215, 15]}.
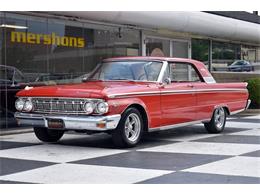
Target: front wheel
{"type": "Point", "coordinates": [129, 130]}
{"type": "Point", "coordinates": [217, 122]}
{"type": "Point", "coordinates": [48, 135]}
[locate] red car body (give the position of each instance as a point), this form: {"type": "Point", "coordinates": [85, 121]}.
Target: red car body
{"type": "Point", "coordinates": [161, 105]}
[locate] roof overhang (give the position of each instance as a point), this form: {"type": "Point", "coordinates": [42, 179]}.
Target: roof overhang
{"type": "Point", "coordinates": [198, 23]}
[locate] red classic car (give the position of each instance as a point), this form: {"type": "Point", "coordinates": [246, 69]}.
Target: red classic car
{"type": "Point", "coordinates": [128, 96]}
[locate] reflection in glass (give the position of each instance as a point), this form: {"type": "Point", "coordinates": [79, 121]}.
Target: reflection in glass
{"type": "Point", "coordinates": [224, 54]}
{"type": "Point", "coordinates": [180, 49]}
{"type": "Point", "coordinates": [157, 47]}
{"type": "Point", "coordinates": [50, 52]}
{"type": "Point", "coordinates": [200, 50]}
{"type": "Point", "coordinates": [65, 53]}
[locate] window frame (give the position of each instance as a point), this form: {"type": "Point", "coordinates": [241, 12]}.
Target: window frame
{"type": "Point", "coordinates": [169, 71]}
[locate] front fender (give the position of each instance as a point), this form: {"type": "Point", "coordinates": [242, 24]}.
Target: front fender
{"type": "Point", "coordinates": [118, 106]}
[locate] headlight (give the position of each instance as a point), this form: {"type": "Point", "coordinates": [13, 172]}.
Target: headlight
{"type": "Point", "coordinates": [88, 107]}
{"type": "Point", "coordinates": [102, 107]}
{"type": "Point", "coordinates": [28, 106]}
{"type": "Point", "coordinates": [19, 104]}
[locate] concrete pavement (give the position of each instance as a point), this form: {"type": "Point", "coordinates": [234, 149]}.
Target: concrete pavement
{"type": "Point", "coordinates": [183, 155]}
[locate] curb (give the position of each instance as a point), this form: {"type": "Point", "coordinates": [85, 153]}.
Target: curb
{"type": "Point", "coordinates": [15, 131]}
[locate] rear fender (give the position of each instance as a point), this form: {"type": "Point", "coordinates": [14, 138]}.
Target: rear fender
{"type": "Point", "coordinates": [225, 106]}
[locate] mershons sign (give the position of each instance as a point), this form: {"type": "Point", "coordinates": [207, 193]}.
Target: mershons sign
{"type": "Point", "coordinates": [47, 39]}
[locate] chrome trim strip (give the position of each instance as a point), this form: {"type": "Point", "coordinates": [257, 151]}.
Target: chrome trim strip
{"type": "Point", "coordinates": [248, 103]}
{"type": "Point", "coordinates": [70, 122]}
{"type": "Point", "coordinates": [177, 125]}
{"type": "Point", "coordinates": [164, 67]}
{"type": "Point", "coordinates": [136, 93]}
{"type": "Point", "coordinates": [53, 97]}
{"type": "Point", "coordinates": [39, 100]}
{"type": "Point", "coordinates": [203, 90]}
{"type": "Point", "coordinates": [135, 81]}
{"type": "Point", "coordinates": [176, 91]}
{"type": "Point", "coordinates": [241, 110]}
{"type": "Point", "coordinates": [237, 111]}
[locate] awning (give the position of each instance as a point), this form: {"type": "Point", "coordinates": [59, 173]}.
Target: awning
{"type": "Point", "coordinates": [199, 23]}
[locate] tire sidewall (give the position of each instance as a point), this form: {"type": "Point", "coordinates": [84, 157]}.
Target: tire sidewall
{"type": "Point", "coordinates": [215, 125]}
{"type": "Point", "coordinates": [48, 135]}
{"type": "Point", "coordinates": [121, 126]}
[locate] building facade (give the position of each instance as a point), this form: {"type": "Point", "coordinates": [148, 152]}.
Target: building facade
{"type": "Point", "coordinates": [45, 48]}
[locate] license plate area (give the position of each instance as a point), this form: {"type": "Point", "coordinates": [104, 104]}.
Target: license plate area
{"type": "Point", "coordinates": [55, 123]}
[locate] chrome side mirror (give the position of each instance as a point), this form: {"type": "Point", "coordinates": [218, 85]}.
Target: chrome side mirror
{"type": "Point", "coordinates": [167, 81]}
{"type": "Point", "coordinates": [84, 79]}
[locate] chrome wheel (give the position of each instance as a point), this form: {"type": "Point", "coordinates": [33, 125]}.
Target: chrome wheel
{"type": "Point", "coordinates": [132, 127]}
{"type": "Point", "coordinates": [129, 130]}
{"type": "Point", "coordinates": [219, 117]}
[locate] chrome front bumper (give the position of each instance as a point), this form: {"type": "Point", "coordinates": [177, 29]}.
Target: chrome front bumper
{"type": "Point", "coordinates": [95, 123]}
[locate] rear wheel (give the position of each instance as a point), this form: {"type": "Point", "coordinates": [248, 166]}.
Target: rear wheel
{"type": "Point", "coordinates": [217, 122]}
{"type": "Point", "coordinates": [129, 130]}
{"type": "Point", "coordinates": [48, 135]}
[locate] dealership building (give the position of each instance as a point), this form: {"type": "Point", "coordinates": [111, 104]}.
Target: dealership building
{"type": "Point", "coordinates": [49, 46]}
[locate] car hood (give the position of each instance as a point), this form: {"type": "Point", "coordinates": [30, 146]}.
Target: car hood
{"type": "Point", "coordinates": [90, 89]}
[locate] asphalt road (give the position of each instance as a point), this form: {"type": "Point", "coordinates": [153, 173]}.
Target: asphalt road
{"type": "Point", "coordinates": [184, 155]}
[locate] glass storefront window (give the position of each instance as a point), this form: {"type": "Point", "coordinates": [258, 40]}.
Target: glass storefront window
{"type": "Point", "coordinates": [157, 47]}
{"type": "Point", "coordinates": [2, 77]}
{"type": "Point", "coordinates": [24, 48]}
{"type": "Point", "coordinates": [200, 50]}
{"type": "Point", "coordinates": [46, 51]}
{"type": "Point", "coordinates": [1, 39]}
{"type": "Point", "coordinates": [65, 51]}
{"type": "Point", "coordinates": [180, 49]}
{"type": "Point", "coordinates": [109, 42]}
{"type": "Point", "coordinates": [224, 54]}
{"type": "Point", "coordinates": [250, 53]}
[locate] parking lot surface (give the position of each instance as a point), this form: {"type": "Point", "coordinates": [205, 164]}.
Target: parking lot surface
{"type": "Point", "coordinates": [184, 155]}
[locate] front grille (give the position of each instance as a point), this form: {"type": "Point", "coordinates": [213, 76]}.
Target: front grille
{"type": "Point", "coordinates": [59, 105]}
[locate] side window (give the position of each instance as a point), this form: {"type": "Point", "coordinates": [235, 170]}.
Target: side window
{"type": "Point", "coordinates": [183, 72]}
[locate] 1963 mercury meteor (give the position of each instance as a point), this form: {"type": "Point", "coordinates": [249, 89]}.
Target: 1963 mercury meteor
{"type": "Point", "coordinates": [128, 96]}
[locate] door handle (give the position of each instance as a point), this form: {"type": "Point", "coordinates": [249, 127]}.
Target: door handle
{"type": "Point", "coordinates": [190, 85]}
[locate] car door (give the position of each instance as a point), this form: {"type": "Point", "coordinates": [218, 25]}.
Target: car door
{"type": "Point", "coordinates": [178, 97]}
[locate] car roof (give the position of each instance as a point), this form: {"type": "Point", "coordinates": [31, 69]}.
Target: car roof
{"type": "Point", "coordinates": [151, 58]}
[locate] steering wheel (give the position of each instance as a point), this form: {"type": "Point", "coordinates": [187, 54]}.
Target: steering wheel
{"type": "Point", "coordinates": [142, 77]}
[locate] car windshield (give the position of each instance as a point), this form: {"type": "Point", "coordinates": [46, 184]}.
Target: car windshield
{"type": "Point", "coordinates": [127, 70]}
{"type": "Point", "coordinates": [238, 63]}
